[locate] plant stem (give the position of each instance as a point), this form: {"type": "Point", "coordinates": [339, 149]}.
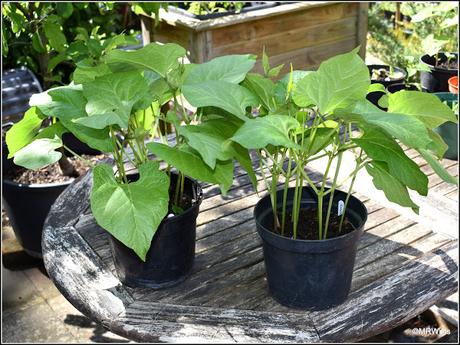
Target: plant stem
{"type": "Point", "coordinates": [285, 192]}
{"type": "Point", "coordinates": [331, 197]}
{"type": "Point", "coordinates": [321, 195]}
{"type": "Point", "coordinates": [350, 190]}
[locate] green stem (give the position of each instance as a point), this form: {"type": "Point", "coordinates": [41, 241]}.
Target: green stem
{"type": "Point", "coordinates": [331, 197]}
{"type": "Point", "coordinates": [87, 162]}
{"type": "Point", "coordinates": [285, 192]}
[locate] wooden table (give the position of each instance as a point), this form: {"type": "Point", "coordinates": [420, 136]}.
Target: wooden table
{"type": "Point", "coordinates": [402, 268]}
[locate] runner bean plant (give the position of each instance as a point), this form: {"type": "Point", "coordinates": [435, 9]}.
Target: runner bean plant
{"type": "Point", "coordinates": [116, 106]}
{"type": "Point", "coordinates": [311, 115]}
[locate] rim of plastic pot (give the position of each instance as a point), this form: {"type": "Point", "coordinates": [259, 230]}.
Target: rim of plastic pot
{"type": "Point", "coordinates": [442, 57]}
{"type": "Point", "coordinates": [327, 245]}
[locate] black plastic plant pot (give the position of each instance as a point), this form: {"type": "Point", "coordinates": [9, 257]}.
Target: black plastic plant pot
{"type": "Point", "coordinates": [374, 97]}
{"type": "Point", "coordinates": [449, 130]}
{"type": "Point", "coordinates": [309, 274]}
{"type": "Point", "coordinates": [77, 146]}
{"type": "Point", "coordinates": [170, 258]}
{"type": "Point", "coordinates": [27, 207]}
{"type": "Point", "coordinates": [436, 79]}
{"type": "Point", "coordinates": [402, 86]}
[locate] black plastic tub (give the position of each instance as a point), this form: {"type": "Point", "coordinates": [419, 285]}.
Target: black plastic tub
{"type": "Point", "coordinates": [309, 274]}
{"type": "Point", "coordinates": [436, 79]}
{"type": "Point", "coordinates": [374, 97]}
{"type": "Point", "coordinates": [77, 146]}
{"type": "Point", "coordinates": [27, 207]}
{"type": "Point", "coordinates": [248, 6]}
{"type": "Point", "coordinates": [402, 86]}
{"type": "Point", "coordinates": [170, 258]}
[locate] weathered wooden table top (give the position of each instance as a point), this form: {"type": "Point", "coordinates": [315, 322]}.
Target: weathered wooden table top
{"type": "Point", "coordinates": [402, 268]}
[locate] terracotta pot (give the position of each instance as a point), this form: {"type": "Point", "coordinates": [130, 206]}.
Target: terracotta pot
{"type": "Point", "coordinates": [453, 85]}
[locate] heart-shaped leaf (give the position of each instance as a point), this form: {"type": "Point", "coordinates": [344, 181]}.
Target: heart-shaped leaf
{"type": "Point", "coordinates": [131, 212]}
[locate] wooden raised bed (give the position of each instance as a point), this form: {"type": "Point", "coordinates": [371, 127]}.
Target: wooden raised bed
{"type": "Point", "coordinates": [303, 34]}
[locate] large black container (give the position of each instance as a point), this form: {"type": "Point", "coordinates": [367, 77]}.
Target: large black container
{"type": "Point", "coordinates": [27, 207]}
{"type": "Point", "coordinates": [374, 97]}
{"type": "Point", "coordinates": [436, 79]}
{"type": "Point", "coordinates": [170, 258]}
{"type": "Point", "coordinates": [304, 273]}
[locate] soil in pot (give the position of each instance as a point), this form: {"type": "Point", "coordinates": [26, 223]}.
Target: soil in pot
{"type": "Point", "coordinates": [441, 70]}
{"type": "Point", "coordinates": [310, 274]}
{"type": "Point", "coordinates": [307, 228]}
{"type": "Point", "coordinates": [170, 258]}
{"type": "Point", "coordinates": [28, 196]}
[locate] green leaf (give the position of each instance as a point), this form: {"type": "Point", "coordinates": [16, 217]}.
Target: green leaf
{"type": "Point", "coordinates": [67, 103]}
{"type": "Point", "coordinates": [97, 139]}
{"type": "Point", "coordinates": [50, 132]}
{"type": "Point", "coordinates": [64, 9]}
{"type": "Point", "coordinates": [265, 62]}
{"type": "Point", "coordinates": [207, 139]}
{"type": "Point", "coordinates": [231, 68]}
{"type": "Point", "coordinates": [192, 165]}
{"type": "Point", "coordinates": [438, 168]}
{"type": "Point", "coordinates": [23, 132]}
{"type": "Point", "coordinates": [323, 138]}
{"type": "Point", "coordinates": [437, 145]}
{"type": "Point", "coordinates": [376, 87]}
{"type": "Point", "coordinates": [410, 130]}
{"type": "Point", "coordinates": [39, 153]}
{"type": "Point", "coordinates": [53, 33]}
{"type": "Point", "coordinates": [422, 105]}
{"type": "Point", "coordinates": [131, 212]}
{"type": "Point", "coordinates": [158, 58]}
{"type": "Point", "coordinates": [381, 147]}
{"type": "Point", "coordinates": [113, 97]}
{"type": "Point", "coordinates": [263, 88]}
{"type": "Point", "coordinates": [17, 21]}
{"type": "Point", "coordinates": [275, 71]}
{"type": "Point", "coordinates": [281, 86]}
{"type": "Point", "coordinates": [273, 130]}
{"type": "Point", "coordinates": [84, 73]}
{"type": "Point", "coordinates": [37, 43]}
{"type": "Point", "coordinates": [56, 60]}
{"type": "Point", "coordinates": [339, 81]}
{"type": "Point", "coordinates": [394, 190]}
{"type": "Point", "coordinates": [222, 94]}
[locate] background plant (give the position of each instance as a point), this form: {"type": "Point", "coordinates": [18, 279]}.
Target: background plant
{"type": "Point", "coordinates": [398, 40]}
{"type": "Point", "coordinates": [116, 104]}
{"type": "Point", "coordinates": [310, 115]}
{"type": "Point", "coordinates": [51, 37]}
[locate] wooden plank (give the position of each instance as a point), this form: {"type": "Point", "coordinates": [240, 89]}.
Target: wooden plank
{"type": "Point", "coordinates": [257, 29]}
{"type": "Point", "coordinates": [179, 20]}
{"type": "Point", "coordinates": [361, 30]}
{"type": "Point", "coordinates": [206, 277]}
{"type": "Point", "coordinates": [388, 244]}
{"type": "Point", "coordinates": [295, 39]}
{"type": "Point", "coordinates": [80, 276]}
{"type": "Point", "coordinates": [386, 265]}
{"type": "Point", "coordinates": [393, 299]}
{"type": "Point", "coordinates": [174, 323]}
{"type": "Point", "coordinates": [146, 29]}
{"type": "Point", "coordinates": [308, 58]}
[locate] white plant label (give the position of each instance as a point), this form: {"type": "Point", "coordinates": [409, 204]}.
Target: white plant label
{"type": "Point", "coordinates": [340, 207]}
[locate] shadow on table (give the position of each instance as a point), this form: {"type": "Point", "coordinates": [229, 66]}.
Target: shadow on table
{"type": "Point", "coordinates": [100, 334]}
